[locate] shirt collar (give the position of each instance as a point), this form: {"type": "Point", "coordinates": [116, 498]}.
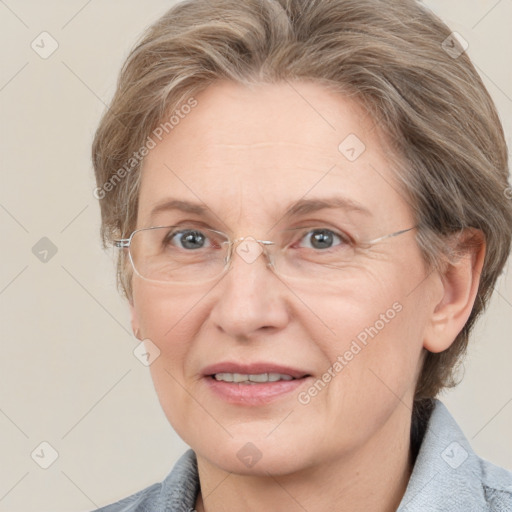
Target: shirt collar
{"type": "Point", "coordinates": [447, 473]}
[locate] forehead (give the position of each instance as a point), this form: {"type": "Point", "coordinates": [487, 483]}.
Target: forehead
{"type": "Point", "coordinates": [249, 152]}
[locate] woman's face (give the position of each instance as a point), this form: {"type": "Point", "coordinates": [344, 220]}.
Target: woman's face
{"type": "Point", "coordinates": [352, 342]}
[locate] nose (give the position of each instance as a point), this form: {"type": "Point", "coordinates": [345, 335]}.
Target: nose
{"type": "Point", "coordinates": [251, 298]}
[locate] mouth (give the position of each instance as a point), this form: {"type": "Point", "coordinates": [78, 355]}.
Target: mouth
{"type": "Point", "coordinates": [256, 378]}
{"type": "Point", "coordinates": [254, 384]}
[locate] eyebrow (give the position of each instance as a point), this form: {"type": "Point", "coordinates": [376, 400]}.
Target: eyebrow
{"type": "Point", "coordinates": [304, 206]}
{"type": "Point", "coordinates": [300, 207]}
{"type": "Point", "coordinates": [177, 204]}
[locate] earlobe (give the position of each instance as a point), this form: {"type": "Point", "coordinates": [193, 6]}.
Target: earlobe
{"type": "Point", "coordinates": [459, 280]}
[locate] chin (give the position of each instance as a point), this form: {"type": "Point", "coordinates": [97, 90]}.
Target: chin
{"type": "Point", "coordinates": [255, 459]}
{"type": "Point", "coordinates": [254, 454]}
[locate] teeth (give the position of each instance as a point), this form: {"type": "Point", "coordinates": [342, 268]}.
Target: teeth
{"type": "Point", "coordinates": [227, 377]}
{"type": "Point", "coordinates": [273, 377]}
{"type": "Point", "coordinates": [252, 378]}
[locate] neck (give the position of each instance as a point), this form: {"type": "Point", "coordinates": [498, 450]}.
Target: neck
{"type": "Point", "coordinates": [371, 478]}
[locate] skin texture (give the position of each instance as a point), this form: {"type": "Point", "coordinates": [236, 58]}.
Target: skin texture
{"type": "Point", "coordinates": [246, 154]}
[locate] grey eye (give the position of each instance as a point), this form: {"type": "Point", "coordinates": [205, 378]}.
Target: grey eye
{"type": "Point", "coordinates": [321, 239]}
{"type": "Point", "coordinates": [188, 239]}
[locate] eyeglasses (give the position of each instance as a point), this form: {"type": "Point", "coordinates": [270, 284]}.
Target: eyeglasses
{"type": "Point", "coordinates": [191, 254]}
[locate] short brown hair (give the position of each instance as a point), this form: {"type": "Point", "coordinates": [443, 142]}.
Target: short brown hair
{"type": "Point", "coordinates": [395, 57]}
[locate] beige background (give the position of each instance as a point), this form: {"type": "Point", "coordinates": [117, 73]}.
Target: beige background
{"type": "Point", "coordinates": [67, 372]}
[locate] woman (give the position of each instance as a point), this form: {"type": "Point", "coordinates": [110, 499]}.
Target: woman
{"type": "Point", "coordinates": [310, 205]}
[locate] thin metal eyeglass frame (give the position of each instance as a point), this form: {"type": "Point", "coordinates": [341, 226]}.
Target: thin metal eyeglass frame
{"type": "Point", "coordinates": [125, 243]}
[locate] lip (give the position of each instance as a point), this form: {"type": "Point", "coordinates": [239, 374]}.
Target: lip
{"type": "Point", "coordinates": [253, 394]}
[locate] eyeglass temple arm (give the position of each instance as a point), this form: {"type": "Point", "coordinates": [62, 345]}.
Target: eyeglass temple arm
{"type": "Point", "coordinates": [124, 242]}
{"type": "Point", "coordinates": [391, 235]}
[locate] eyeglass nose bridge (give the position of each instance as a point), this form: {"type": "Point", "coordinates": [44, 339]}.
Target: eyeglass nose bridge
{"type": "Point", "coordinates": [249, 249]}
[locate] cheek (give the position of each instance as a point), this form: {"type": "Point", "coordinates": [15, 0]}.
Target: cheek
{"type": "Point", "coordinates": [159, 309]}
{"type": "Point", "coordinates": [381, 337]}
{"type": "Point", "coordinates": [170, 320]}
{"type": "Point", "coordinates": [378, 332]}
{"type": "Point", "coordinates": [375, 368]}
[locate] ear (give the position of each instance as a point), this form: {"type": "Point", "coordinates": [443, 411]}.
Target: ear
{"type": "Point", "coordinates": [134, 320]}
{"type": "Point", "coordinates": [459, 279]}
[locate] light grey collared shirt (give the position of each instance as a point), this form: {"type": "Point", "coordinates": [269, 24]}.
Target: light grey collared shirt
{"type": "Point", "coordinates": [447, 476]}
